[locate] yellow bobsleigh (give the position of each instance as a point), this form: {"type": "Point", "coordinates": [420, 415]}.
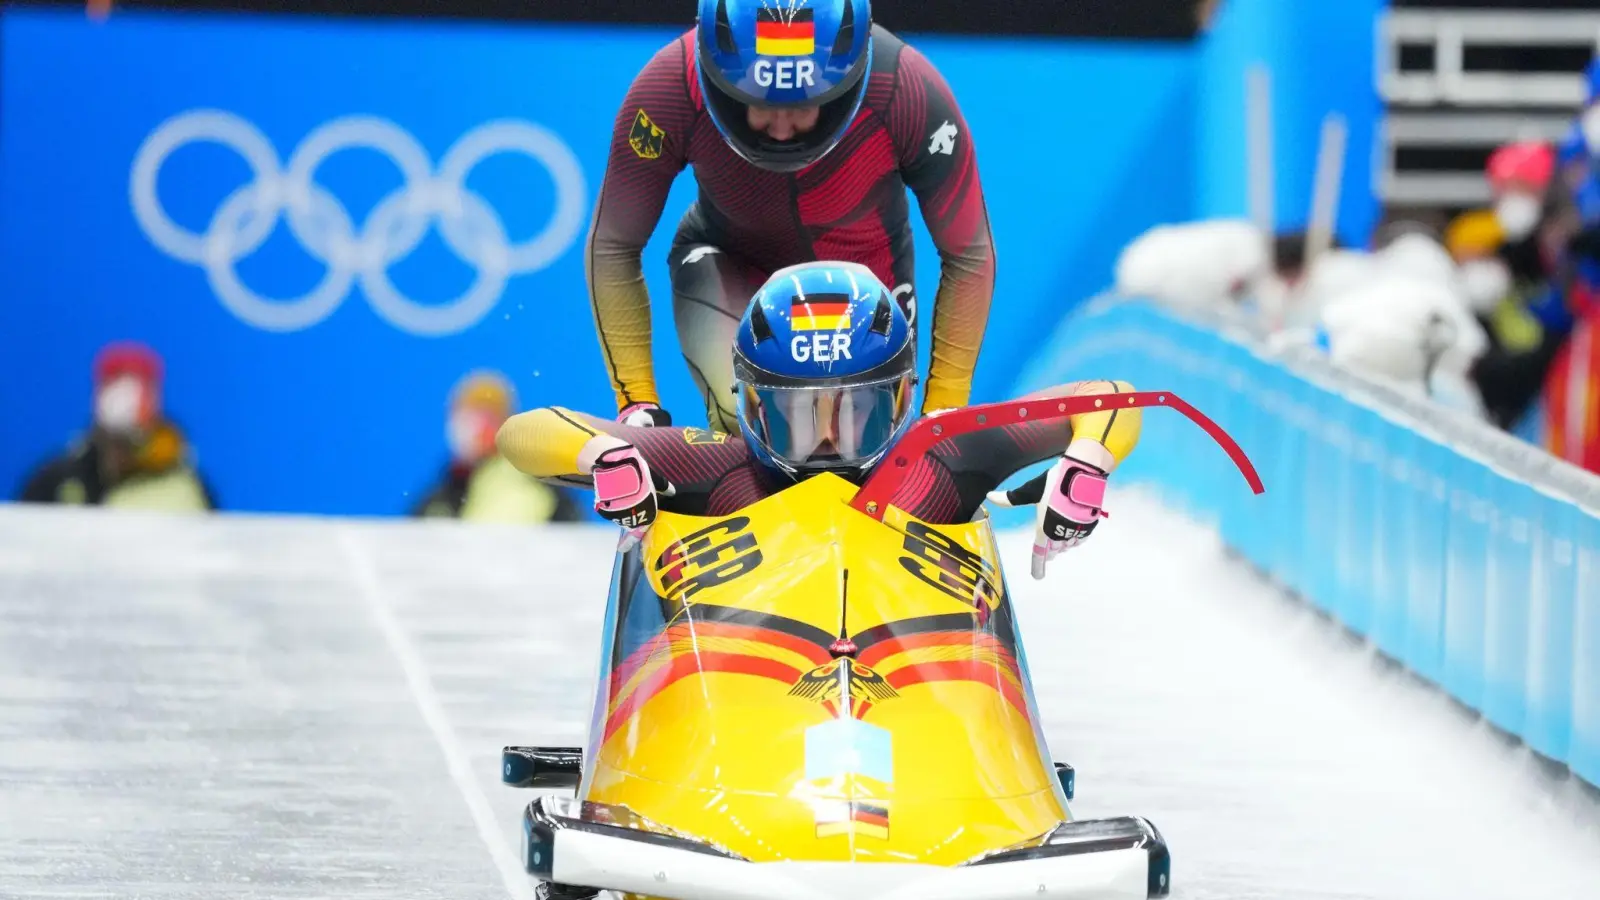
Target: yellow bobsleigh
{"type": "Point", "coordinates": [824, 697]}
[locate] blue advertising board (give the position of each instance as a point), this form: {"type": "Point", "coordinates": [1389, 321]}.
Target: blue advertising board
{"type": "Point", "coordinates": [1551, 618]}
{"type": "Point", "coordinates": [1584, 749]}
{"type": "Point", "coordinates": [323, 224]}
{"type": "Point", "coordinates": [320, 227]}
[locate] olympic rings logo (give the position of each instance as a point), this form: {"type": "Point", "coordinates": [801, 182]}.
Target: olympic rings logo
{"type": "Point", "coordinates": [394, 228]}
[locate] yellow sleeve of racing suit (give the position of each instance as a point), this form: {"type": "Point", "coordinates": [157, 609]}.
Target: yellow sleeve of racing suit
{"type": "Point", "coordinates": [546, 443]}
{"type": "Point", "coordinates": [1114, 429]}
{"type": "Point", "coordinates": [648, 141]}
{"type": "Point", "coordinates": [940, 166]}
{"type": "Point", "coordinates": [1117, 430]}
{"type": "Point", "coordinates": [978, 462]}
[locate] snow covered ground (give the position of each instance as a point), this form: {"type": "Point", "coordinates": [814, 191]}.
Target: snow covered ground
{"type": "Point", "coordinates": [277, 708]}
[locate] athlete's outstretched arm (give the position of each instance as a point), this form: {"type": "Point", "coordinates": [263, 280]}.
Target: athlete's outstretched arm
{"type": "Point", "coordinates": [648, 149]}
{"type": "Point", "coordinates": [563, 446]}
{"type": "Point", "coordinates": [1069, 496]}
{"type": "Point", "coordinates": [1103, 438]}
{"type": "Point", "coordinates": [554, 444]}
{"type": "Point", "coordinates": [962, 470]}
{"type": "Point", "coordinates": [939, 164]}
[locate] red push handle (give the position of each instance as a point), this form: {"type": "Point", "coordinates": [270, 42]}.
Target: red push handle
{"type": "Point", "coordinates": [874, 496]}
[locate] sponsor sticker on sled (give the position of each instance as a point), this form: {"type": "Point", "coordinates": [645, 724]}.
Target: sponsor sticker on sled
{"type": "Point", "coordinates": [840, 747]}
{"type": "Point", "coordinates": [852, 817]}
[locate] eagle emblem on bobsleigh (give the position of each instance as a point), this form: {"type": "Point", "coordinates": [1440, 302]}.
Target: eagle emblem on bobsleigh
{"type": "Point", "coordinates": [825, 685]}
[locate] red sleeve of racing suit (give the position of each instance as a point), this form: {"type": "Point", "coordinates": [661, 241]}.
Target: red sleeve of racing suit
{"type": "Point", "coordinates": [950, 483]}
{"type": "Point", "coordinates": [649, 147]}
{"type": "Point", "coordinates": [939, 164]}
{"type": "Point", "coordinates": [711, 472]}
{"type": "Point", "coordinates": [705, 467]}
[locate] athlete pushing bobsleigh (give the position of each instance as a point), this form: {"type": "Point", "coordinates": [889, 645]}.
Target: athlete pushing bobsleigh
{"type": "Point", "coordinates": [805, 124]}
{"type": "Point", "coordinates": [824, 370]}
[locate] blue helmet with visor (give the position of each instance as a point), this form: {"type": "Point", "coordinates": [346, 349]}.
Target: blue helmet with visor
{"type": "Point", "coordinates": [825, 368]}
{"type": "Point", "coordinates": [783, 54]}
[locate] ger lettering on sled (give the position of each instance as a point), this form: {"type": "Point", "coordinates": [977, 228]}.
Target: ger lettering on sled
{"type": "Point", "coordinates": [799, 700]}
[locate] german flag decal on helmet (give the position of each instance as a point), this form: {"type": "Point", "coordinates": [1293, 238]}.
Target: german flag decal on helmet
{"type": "Point", "coordinates": [781, 32]}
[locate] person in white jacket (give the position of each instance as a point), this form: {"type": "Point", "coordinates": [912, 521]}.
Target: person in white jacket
{"type": "Point", "coordinates": [1400, 314]}
{"type": "Point", "coordinates": [1408, 322]}
{"type": "Point", "coordinates": [1226, 266]}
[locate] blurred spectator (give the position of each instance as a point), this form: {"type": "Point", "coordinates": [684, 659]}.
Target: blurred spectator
{"type": "Point", "coordinates": [1476, 242]}
{"type": "Point", "coordinates": [478, 484]}
{"type": "Point", "coordinates": [1397, 314]}
{"type": "Point", "coordinates": [1521, 178]}
{"type": "Point", "coordinates": [1406, 321]}
{"type": "Point", "coordinates": [1569, 310]}
{"type": "Point", "coordinates": [1194, 264]}
{"type": "Point", "coordinates": [1577, 151]}
{"type": "Point", "coordinates": [1572, 395]}
{"type": "Point", "coordinates": [1225, 265]}
{"type": "Point", "coordinates": [1330, 276]}
{"type": "Point", "coordinates": [132, 455]}
{"type": "Point", "coordinates": [1510, 373]}
{"type": "Point", "coordinates": [1502, 311]}
{"type": "Point", "coordinates": [1389, 328]}
{"type": "Point", "coordinates": [1570, 315]}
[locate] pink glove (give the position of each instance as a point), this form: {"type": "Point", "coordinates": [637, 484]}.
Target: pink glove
{"type": "Point", "coordinates": [1070, 498]}
{"type": "Point", "coordinates": [644, 415]}
{"type": "Point", "coordinates": [625, 491]}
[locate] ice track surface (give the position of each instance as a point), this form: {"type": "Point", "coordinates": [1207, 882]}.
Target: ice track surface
{"type": "Point", "coordinates": [275, 708]}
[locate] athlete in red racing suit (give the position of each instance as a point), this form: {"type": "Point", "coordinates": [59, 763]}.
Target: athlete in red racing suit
{"type": "Point", "coordinates": [825, 364]}
{"type": "Point", "coordinates": [715, 474]}
{"type": "Point", "coordinates": [749, 221]}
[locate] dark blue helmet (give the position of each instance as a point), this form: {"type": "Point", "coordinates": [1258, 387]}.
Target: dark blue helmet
{"type": "Point", "coordinates": [825, 367]}
{"type": "Point", "coordinates": [783, 53]}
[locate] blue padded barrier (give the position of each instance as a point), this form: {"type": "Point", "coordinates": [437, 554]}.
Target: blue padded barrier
{"type": "Point", "coordinates": [1467, 555]}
